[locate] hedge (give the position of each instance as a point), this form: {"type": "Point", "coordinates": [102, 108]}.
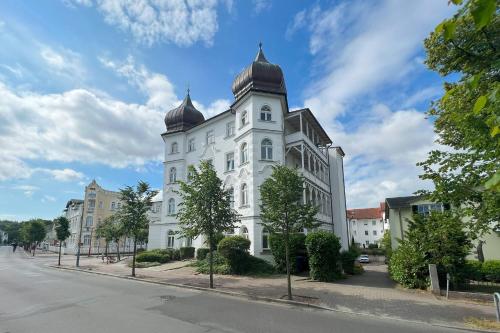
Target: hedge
{"type": "Point", "coordinates": [348, 258]}
{"type": "Point", "coordinates": [323, 249]}
{"type": "Point", "coordinates": [158, 255]}
{"type": "Point", "coordinates": [186, 252]}
{"type": "Point", "coordinates": [201, 253]}
{"type": "Point", "coordinates": [297, 249]}
{"type": "Point", "coordinates": [486, 271]}
{"type": "Point", "coordinates": [235, 250]}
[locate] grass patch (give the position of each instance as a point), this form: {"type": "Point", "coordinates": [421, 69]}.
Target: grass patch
{"type": "Point", "coordinates": [144, 264]}
{"type": "Point", "coordinates": [482, 323]}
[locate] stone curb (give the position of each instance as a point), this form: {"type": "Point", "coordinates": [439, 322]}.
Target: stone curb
{"type": "Point", "coordinates": [267, 299]}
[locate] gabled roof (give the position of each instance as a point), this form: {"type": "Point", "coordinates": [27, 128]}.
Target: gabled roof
{"type": "Point", "coordinates": [401, 202]}
{"type": "Point", "coordinates": [364, 213]}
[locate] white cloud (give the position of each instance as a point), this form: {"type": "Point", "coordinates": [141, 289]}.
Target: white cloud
{"type": "Point", "coordinates": [261, 5]}
{"type": "Point", "coordinates": [423, 95]}
{"type": "Point", "coordinates": [28, 190]}
{"type": "Point", "coordinates": [65, 175]}
{"type": "Point", "coordinates": [151, 21]}
{"type": "Point", "coordinates": [361, 49]}
{"type": "Point", "coordinates": [12, 167]}
{"type": "Point", "coordinates": [48, 198]}
{"type": "Point", "coordinates": [214, 108]}
{"type": "Point", "coordinates": [63, 62]}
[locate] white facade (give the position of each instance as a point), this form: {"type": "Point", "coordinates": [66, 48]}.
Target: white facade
{"type": "Point", "coordinates": [243, 144]}
{"type": "Point", "coordinates": [73, 212]}
{"type": "Point", "coordinates": [367, 225]}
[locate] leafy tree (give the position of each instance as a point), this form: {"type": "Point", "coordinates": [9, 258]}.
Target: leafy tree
{"type": "Point", "coordinates": [133, 212]}
{"type": "Point", "coordinates": [33, 232]}
{"type": "Point", "coordinates": [282, 210]}
{"type": "Point", "coordinates": [438, 238]}
{"type": "Point", "coordinates": [386, 244]}
{"type": "Point", "coordinates": [466, 172]}
{"type": "Point", "coordinates": [205, 208]}
{"type": "Point", "coordinates": [62, 232]}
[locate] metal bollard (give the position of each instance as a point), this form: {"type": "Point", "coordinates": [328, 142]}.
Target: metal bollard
{"type": "Point", "coordinates": [496, 298]}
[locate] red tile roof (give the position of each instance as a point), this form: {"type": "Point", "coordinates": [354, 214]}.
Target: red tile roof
{"type": "Point", "coordinates": [364, 213]}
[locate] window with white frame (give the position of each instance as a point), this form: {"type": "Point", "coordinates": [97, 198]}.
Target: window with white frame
{"type": "Point", "coordinates": [170, 239]}
{"type": "Point", "coordinates": [244, 118]}
{"type": "Point", "coordinates": [113, 205]}
{"type": "Point", "coordinates": [230, 191]}
{"type": "Point", "coordinates": [86, 240]}
{"type": "Point", "coordinates": [265, 113]}
{"type": "Point", "coordinates": [266, 149]}
{"type": "Point", "coordinates": [191, 145]}
{"type": "Point", "coordinates": [89, 221]}
{"type": "Point", "coordinates": [366, 232]}
{"type": "Point", "coordinates": [174, 148]}
{"type": "Point", "coordinates": [244, 232]}
{"type": "Point", "coordinates": [244, 153]}
{"type": "Point", "coordinates": [374, 232]}
{"type": "Point", "coordinates": [244, 195]}
{"type": "Point", "coordinates": [171, 206]}
{"type": "Point", "coordinates": [210, 137]}
{"type": "Point", "coordinates": [265, 239]}
{"type": "Point", "coordinates": [229, 161]}
{"type": "Point", "coordinates": [172, 175]}
{"type": "Point", "coordinates": [374, 222]}
{"type": "Point", "coordinates": [190, 174]}
{"type": "Point", "coordinates": [189, 241]}
{"type": "Point", "coordinates": [230, 129]}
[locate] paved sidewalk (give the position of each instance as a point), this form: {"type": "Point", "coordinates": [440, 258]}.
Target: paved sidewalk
{"type": "Point", "coordinates": [371, 293]}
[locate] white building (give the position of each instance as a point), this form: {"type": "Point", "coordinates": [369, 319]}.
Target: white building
{"type": "Point", "coordinates": [4, 237]}
{"type": "Point", "coordinates": [73, 212]}
{"type": "Point", "coordinates": [367, 225]}
{"type": "Point", "coordinates": [243, 143]}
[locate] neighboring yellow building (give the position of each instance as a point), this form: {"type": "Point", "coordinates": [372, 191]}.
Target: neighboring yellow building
{"type": "Point", "coordinates": [400, 209]}
{"type": "Point", "coordinates": [98, 205]}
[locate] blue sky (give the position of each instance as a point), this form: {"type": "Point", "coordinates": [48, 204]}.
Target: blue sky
{"type": "Point", "coordinates": [84, 86]}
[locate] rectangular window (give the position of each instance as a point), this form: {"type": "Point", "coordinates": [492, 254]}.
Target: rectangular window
{"type": "Point", "coordinates": [89, 221]}
{"type": "Point", "coordinates": [366, 232]}
{"type": "Point", "coordinates": [230, 129]}
{"type": "Point", "coordinates": [374, 222]}
{"type": "Point", "coordinates": [229, 161]}
{"type": "Point", "coordinates": [374, 232]}
{"type": "Point", "coordinates": [210, 137]}
{"type": "Point", "coordinates": [112, 206]}
{"type": "Point", "coordinates": [86, 240]}
{"type": "Point", "coordinates": [100, 204]}
{"type": "Point", "coordinates": [265, 242]}
{"type": "Point", "coordinates": [191, 144]}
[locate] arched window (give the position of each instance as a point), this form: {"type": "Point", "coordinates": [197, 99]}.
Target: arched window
{"type": "Point", "coordinates": [265, 113]}
{"type": "Point", "coordinates": [171, 206]}
{"type": "Point", "coordinates": [265, 239]}
{"type": "Point", "coordinates": [266, 150]}
{"type": "Point", "coordinates": [244, 118]}
{"type": "Point", "coordinates": [244, 153]}
{"type": "Point", "coordinates": [173, 175]}
{"type": "Point", "coordinates": [174, 148]}
{"type": "Point", "coordinates": [244, 232]}
{"type": "Point", "coordinates": [231, 196]}
{"type": "Point", "coordinates": [244, 195]}
{"type": "Point", "coordinates": [170, 239]}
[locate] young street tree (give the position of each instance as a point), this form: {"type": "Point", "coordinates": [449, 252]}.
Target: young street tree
{"type": "Point", "coordinates": [133, 213]}
{"type": "Point", "coordinates": [282, 210]}
{"type": "Point", "coordinates": [33, 232]}
{"type": "Point", "coordinates": [110, 231]}
{"type": "Point", "coordinates": [467, 117]}
{"type": "Point", "coordinates": [205, 209]}
{"type": "Point", "coordinates": [62, 233]}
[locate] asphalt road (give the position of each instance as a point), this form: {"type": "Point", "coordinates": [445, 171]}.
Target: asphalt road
{"type": "Point", "coordinates": [36, 298]}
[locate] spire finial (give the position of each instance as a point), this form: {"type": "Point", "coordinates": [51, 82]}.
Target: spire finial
{"type": "Point", "coordinates": [188, 90]}
{"type": "Point", "coordinates": [260, 45]}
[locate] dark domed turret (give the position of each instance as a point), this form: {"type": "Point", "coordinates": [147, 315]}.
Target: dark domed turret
{"type": "Point", "coordinates": [183, 117]}
{"type": "Point", "coordinates": [260, 75]}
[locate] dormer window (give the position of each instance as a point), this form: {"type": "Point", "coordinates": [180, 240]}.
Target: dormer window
{"type": "Point", "coordinates": [244, 118]}
{"type": "Point", "coordinates": [174, 148]}
{"type": "Point", "coordinates": [265, 113]}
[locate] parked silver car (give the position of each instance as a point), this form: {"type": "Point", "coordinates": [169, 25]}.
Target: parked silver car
{"type": "Point", "coordinates": [364, 259]}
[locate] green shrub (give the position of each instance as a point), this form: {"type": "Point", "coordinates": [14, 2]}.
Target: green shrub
{"type": "Point", "coordinates": [186, 252]}
{"type": "Point", "coordinates": [220, 265]}
{"type": "Point", "coordinates": [153, 256]}
{"type": "Point", "coordinates": [235, 250]}
{"type": "Point", "coordinates": [472, 270]}
{"type": "Point", "coordinates": [408, 267]}
{"type": "Point", "coordinates": [201, 253]}
{"type": "Point", "coordinates": [323, 249]}
{"type": "Point", "coordinates": [297, 249]}
{"type": "Point", "coordinates": [140, 250]}
{"type": "Point", "coordinates": [258, 266]}
{"type": "Point", "coordinates": [491, 270]}
{"type": "Point", "coordinates": [348, 258]}
{"type": "Point", "coordinates": [373, 246]}
{"type": "Point", "coordinates": [358, 269]}
{"type": "Point", "coordinates": [175, 254]}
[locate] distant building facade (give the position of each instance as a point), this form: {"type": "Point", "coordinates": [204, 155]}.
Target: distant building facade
{"type": "Point", "coordinates": [243, 144]}
{"type": "Point", "coordinates": [4, 237]}
{"type": "Point", "coordinates": [73, 212]}
{"type": "Point", "coordinates": [400, 210]}
{"type": "Point", "coordinates": [366, 225]}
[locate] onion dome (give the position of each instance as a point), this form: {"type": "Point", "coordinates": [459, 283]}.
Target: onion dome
{"type": "Point", "coordinates": [184, 116]}
{"type": "Point", "coordinates": [260, 75]}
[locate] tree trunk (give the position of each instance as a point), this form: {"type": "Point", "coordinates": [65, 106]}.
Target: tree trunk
{"type": "Point", "coordinates": [59, 262]}
{"type": "Point", "coordinates": [106, 252]}
{"type": "Point", "coordinates": [211, 261]}
{"type": "Point", "coordinates": [118, 250]}
{"type": "Point", "coordinates": [133, 256]}
{"type": "Point", "coordinates": [34, 248]}
{"type": "Point", "coordinates": [287, 259]}
{"type": "Point", "coordinates": [480, 253]}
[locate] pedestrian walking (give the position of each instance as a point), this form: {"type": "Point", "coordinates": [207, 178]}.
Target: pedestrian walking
{"type": "Point", "coordinates": [14, 247]}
